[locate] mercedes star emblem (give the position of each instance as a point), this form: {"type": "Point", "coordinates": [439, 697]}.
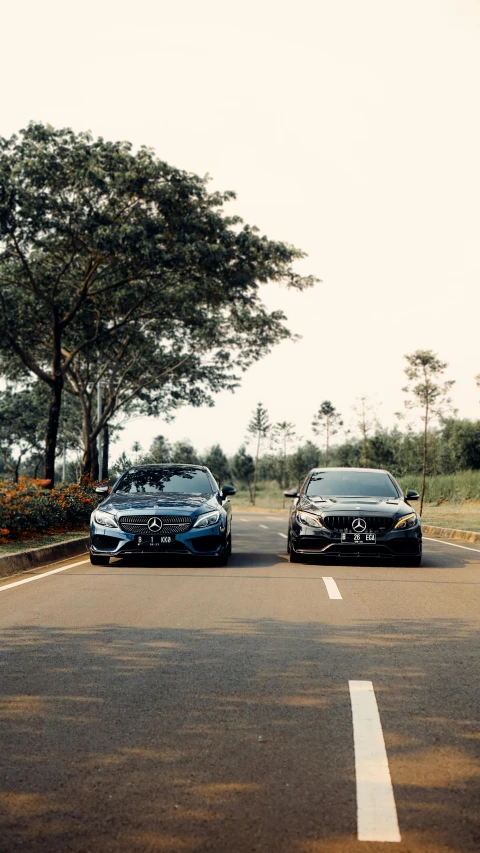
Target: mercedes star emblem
{"type": "Point", "coordinates": [154, 525]}
{"type": "Point", "coordinates": [359, 525]}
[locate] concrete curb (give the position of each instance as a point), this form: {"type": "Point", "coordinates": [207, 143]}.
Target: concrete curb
{"type": "Point", "coordinates": [13, 563]}
{"type": "Point", "coordinates": [451, 533]}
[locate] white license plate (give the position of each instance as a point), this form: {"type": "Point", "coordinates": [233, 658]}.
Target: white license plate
{"type": "Point", "coordinates": [154, 541]}
{"type": "Point", "coordinates": [360, 538]}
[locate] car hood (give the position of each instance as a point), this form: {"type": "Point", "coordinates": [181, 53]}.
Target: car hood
{"type": "Point", "coordinates": [390, 507]}
{"type": "Point", "coordinates": [117, 503]}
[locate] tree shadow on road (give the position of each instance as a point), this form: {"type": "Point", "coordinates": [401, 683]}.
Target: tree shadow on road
{"type": "Point", "coordinates": [237, 738]}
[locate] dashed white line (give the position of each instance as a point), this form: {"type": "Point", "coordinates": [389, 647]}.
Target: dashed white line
{"type": "Point", "coordinates": [332, 588]}
{"type": "Point", "coordinates": [376, 810]}
{"type": "Point", "coordinates": [283, 535]}
{"type": "Point", "coordinates": [446, 542]}
{"type": "Point", "coordinates": [264, 526]}
{"type": "Point", "coordinates": [42, 575]}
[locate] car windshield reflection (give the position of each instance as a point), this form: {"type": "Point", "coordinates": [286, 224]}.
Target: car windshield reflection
{"type": "Point", "coordinates": [351, 484]}
{"type": "Point", "coordinates": [182, 480]}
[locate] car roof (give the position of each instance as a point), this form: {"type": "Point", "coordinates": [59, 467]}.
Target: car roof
{"type": "Point", "coordinates": [364, 470]}
{"type": "Point", "coordinates": [169, 465]}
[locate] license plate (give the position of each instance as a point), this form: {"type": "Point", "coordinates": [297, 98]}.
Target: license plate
{"type": "Point", "coordinates": [154, 541]}
{"type": "Point", "coordinates": [360, 538]}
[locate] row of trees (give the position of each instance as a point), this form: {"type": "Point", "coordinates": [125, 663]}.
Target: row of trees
{"type": "Point", "coordinates": [426, 391]}
{"type": "Point", "coordinates": [125, 289]}
{"type": "Point", "coordinates": [453, 446]}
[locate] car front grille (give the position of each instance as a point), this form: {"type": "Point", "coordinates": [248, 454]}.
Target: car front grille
{"type": "Point", "coordinates": [343, 523]}
{"type": "Point", "coordinates": [170, 523]}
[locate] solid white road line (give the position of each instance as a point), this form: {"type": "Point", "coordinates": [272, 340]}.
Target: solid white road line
{"type": "Point", "coordinates": [284, 535]}
{"type": "Point", "coordinates": [332, 588]}
{"type": "Point", "coordinates": [446, 542]}
{"type": "Point", "coordinates": [264, 526]}
{"type": "Point", "coordinates": [42, 575]}
{"type": "Point", "coordinates": [376, 811]}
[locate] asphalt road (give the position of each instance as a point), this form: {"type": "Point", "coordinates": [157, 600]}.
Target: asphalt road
{"type": "Point", "coordinates": [173, 707]}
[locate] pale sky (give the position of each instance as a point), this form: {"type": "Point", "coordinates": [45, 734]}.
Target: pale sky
{"type": "Point", "coordinates": [350, 129]}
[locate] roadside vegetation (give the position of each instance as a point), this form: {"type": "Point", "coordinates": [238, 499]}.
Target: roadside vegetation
{"type": "Point", "coordinates": [28, 507]}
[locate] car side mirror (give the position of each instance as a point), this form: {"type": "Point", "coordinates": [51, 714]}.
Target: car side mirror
{"type": "Point", "coordinates": [102, 490]}
{"type": "Point", "coordinates": [411, 495]}
{"type": "Point", "coordinates": [228, 490]}
{"type": "Point", "coordinates": [291, 493]}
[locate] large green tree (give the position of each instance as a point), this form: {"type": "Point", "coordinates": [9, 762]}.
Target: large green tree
{"type": "Point", "coordinates": [96, 239]}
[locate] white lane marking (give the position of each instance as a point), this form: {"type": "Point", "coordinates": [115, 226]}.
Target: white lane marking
{"type": "Point", "coordinates": [284, 535]}
{"type": "Point", "coordinates": [332, 588]}
{"type": "Point", "coordinates": [43, 575]}
{"type": "Point", "coordinates": [446, 542]}
{"type": "Point", "coordinates": [264, 526]}
{"type": "Point", "coordinates": [376, 811]}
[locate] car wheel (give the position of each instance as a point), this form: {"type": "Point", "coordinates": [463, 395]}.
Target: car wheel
{"type": "Point", "coordinates": [98, 560]}
{"type": "Point", "coordinates": [222, 559]}
{"type": "Point", "coordinates": [413, 562]}
{"type": "Point", "coordinates": [229, 545]}
{"type": "Point", "coordinates": [294, 557]}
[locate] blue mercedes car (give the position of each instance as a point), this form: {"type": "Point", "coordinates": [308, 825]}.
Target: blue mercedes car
{"type": "Point", "coordinates": [163, 509]}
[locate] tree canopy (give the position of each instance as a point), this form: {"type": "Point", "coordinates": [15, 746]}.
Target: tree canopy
{"type": "Point", "coordinates": [108, 257]}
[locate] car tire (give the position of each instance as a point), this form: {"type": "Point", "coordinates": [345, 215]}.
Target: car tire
{"type": "Point", "coordinates": [229, 545]}
{"type": "Point", "coordinates": [413, 562]}
{"type": "Point", "coordinates": [222, 558]}
{"type": "Point", "coordinates": [99, 560]}
{"type": "Point", "coordinates": [294, 557]}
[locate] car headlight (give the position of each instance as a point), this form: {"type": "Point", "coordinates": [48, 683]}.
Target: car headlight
{"type": "Point", "coordinates": [104, 518]}
{"type": "Point", "coordinates": [309, 519]}
{"type": "Point", "coordinates": [407, 521]}
{"type": "Point", "coordinates": [208, 519]}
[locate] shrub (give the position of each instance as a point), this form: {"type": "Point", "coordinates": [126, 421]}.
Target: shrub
{"type": "Point", "coordinates": [26, 508]}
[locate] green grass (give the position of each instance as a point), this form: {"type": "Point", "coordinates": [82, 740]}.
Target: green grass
{"type": "Point", "coordinates": [455, 488]}
{"type": "Point", "coordinates": [269, 496]}
{"type": "Point", "coordinates": [39, 542]}
{"type": "Point", "coordinates": [459, 516]}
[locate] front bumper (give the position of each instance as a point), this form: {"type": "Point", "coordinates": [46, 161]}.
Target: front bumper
{"type": "Point", "coordinates": [196, 542]}
{"type": "Point", "coordinates": [322, 542]}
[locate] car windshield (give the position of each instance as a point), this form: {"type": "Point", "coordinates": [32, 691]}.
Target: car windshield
{"type": "Point", "coordinates": [351, 484]}
{"type": "Point", "coordinates": [192, 481]}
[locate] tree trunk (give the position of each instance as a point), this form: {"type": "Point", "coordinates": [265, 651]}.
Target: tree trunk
{"type": "Point", "coordinates": [52, 429]}
{"type": "Point", "coordinates": [326, 444]}
{"type": "Point", "coordinates": [105, 449]}
{"type": "Point", "coordinates": [424, 472]}
{"type": "Point", "coordinates": [255, 472]}
{"type": "Point", "coordinates": [90, 449]}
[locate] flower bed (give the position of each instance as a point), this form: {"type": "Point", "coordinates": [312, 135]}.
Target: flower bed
{"type": "Point", "coordinates": [28, 508]}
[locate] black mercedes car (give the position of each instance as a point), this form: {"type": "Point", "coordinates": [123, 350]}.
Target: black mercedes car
{"type": "Point", "coordinates": [353, 512]}
{"type": "Point", "coordinates": [163, 509]}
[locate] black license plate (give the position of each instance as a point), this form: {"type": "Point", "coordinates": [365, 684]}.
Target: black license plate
{"type": "Point", "coordinates": [154, 541]}
{"type": "Point", "coordinates": [360, 538]}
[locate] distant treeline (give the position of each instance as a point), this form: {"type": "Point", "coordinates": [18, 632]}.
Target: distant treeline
{"type": "Point", "coordinates": [454, 447]}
